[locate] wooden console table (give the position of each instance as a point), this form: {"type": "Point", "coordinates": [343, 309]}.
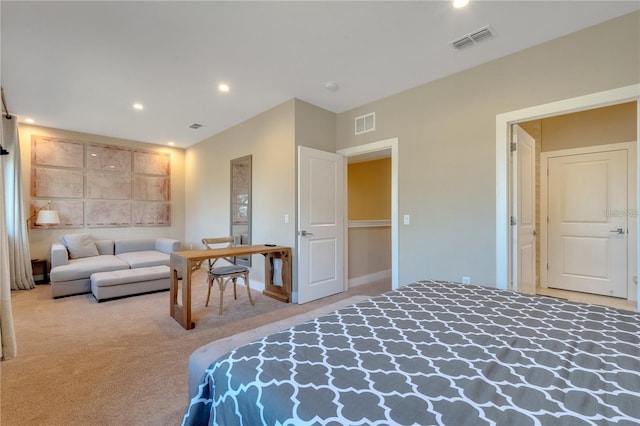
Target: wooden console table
{"type": "Point", "coordinates": [183, 263]}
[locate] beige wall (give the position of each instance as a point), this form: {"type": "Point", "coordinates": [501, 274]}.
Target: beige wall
{"type": "Point", "coordinates": [40, 239]}
{"type": "Point", "coordinates": [601, 126]}
{"type": "Point", "coordinates": [369, 188]}
{"type": "Point", "coordinates": [369, 253]}
{"type": "Point", "coordinates": [447, 135]}
{"type": "Point", "coordinates": [314, 127]}
{"type": "Point", "coordinates": [269, 138]}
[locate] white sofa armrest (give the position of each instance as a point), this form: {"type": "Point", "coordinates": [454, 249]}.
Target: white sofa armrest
{"type": "Point", "coordinates": [59, 255]}
{"type": "Point", "coordinates": [167, 245]}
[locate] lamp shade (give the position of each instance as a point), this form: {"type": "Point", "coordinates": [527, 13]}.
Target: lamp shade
{"type": "Point", "coordinates": [48, 217]}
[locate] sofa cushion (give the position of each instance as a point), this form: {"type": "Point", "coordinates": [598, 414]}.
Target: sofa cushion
{"type": "Point", "coordinates": [127, 276]}
{"type": "Point", "coordinates": [104, 246]}
{"type": "Point", "coordinates": [83, 268]}
{"type": "Point", "coordinates": [136, 244]}
{"type": "Point", "coordinates": [80, 245]}
{"type": "Point", "coordinates": [167, 245]}
{"type": "Point", "coordinates": [142, 259]}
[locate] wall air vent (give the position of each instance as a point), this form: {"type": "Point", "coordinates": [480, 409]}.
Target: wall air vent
{"type": "Point", "coordinates": [366, 123]}
{"type": "Point", "coordinates": [195, 126]}
{"type": "Point", "coordinates": [472, 38]}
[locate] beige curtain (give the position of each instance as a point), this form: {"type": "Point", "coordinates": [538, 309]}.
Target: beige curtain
{"type": "Point", "coordinates": [20, 273]}
{"type": "Point", "coordinates": [7, 332]}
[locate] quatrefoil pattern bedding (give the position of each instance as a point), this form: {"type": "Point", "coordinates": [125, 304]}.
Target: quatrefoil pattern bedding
{"type": "Point", "coordinates": [435, 352]}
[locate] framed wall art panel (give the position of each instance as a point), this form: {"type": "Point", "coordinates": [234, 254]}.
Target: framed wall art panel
{"type": "Point", "coordinates": [105, 157]}
{"type": "Point", "coordinates": [110, 186]}
{"type": "Point", "coordinates": [152, 163]}
{"type": "Point", "coordinates": [47, 151]}
{"type": "Point", "coordinates": [70, 212]}
{"type": "Point", "coordinates": [107, 214]}
{"type": "Point", "coordinates": [151, 214]}
{"type": "Point", "coordinates": [63, 183]}
{"type": "Point", "coordinates": [151, 188]}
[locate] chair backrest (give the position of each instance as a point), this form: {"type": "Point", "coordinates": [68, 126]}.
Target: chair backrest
{"type": "Point", "coordinates": [219, 242]}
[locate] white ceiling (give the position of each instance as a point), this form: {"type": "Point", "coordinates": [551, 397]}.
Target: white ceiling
{"type": "Point", "coordinates": [81, 65]}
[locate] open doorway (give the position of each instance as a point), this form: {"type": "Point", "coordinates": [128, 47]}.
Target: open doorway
{"type": "Point", "coordinates": [369, 220]}
{"type": "Point", "coordinates": [504, 267]}
{"type": "Point", "coordinates": [576, 232]}
{"type": "Point", "coordinates": [374, 151]}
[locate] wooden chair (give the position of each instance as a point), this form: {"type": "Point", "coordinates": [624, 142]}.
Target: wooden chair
{"type": "Point", "coordinates": [223, 274]}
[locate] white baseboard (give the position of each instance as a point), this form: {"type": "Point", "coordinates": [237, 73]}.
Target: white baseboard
{"type": "Point", "coordinates": [256, 285]}
{"type": "Point", "coordinates": [366, 279]}
{"type": "Point", "coordinates": [353, 282]}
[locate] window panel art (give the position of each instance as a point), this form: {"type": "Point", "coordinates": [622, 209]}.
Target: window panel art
{"type": "Point", "coordinates": [100, 157]}
{"type": "Point", "coordinates": [56, 152]}
{"type": "Point", "coordinates": [103, 180]}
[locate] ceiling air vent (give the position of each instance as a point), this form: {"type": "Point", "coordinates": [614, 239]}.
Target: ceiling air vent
{"type": "Point", "coordinates": [472, 38]}
{"type": "Point", "coordinates": [366, 123]}
{"type": "Point", "coordinates": [195, 126]}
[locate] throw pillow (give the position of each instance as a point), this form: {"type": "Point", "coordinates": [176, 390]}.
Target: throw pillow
{"type": "Point", "coordinates": [80, 245]}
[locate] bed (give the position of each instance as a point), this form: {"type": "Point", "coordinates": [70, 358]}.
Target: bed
{"type": "Point", "coordinates": [435, 352]}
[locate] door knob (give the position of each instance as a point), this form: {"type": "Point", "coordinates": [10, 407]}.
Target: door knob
{"type": "Point", "coordinates": [618, 231]}
{"type": "Point", "coordinates": [304, 233]}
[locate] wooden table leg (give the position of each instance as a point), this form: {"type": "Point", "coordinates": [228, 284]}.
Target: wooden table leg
{"type": "Point", "coordinates": [278, 292]}
{"type": "Point", "coordinates": [181, 313]}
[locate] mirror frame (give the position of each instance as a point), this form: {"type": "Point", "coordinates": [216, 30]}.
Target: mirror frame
{"type": "Point", "coordinates": [240, 204]}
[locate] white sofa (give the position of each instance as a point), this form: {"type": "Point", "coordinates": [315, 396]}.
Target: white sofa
{"type": "Point", "coordinates": [78, 256]}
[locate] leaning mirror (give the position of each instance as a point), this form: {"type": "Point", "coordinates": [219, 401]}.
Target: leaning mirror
{"type": "Point", "coordinates": [241, 204]}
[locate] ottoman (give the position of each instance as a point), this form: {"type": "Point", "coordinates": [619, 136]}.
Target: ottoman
{"type": "Point", "coordinates": [128, 282]}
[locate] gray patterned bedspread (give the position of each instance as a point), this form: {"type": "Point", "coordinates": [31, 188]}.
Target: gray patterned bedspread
{"type": "Point", "coordinates": [435, 353]}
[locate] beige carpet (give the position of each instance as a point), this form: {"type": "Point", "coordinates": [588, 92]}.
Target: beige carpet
{"type": "Point", "coordinates": [121, 362]}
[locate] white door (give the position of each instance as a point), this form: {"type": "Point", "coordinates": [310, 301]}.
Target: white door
{"type": "Point", "coordinates": [524, 211]}
{"type": "Point", "coordinates": [320, 224]}
{"type": "Point", "coordinates": [587, 243]}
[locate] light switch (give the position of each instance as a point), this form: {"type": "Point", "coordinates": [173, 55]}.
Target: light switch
{"type": "Point", "coordinates": [286, 218]}
{"type": "Point", "coordinates": [407, 219]}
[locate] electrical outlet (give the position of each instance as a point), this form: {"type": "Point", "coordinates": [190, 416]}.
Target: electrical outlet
{"type": "Point", "coordinates": [466, 280]}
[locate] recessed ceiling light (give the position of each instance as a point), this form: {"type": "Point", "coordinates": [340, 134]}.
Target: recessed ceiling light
{"type": "Point", "coordinates": [29, 120]}
{"type": "Point", "coordinates": [460, 3]}
{"type": "Point", "coordinates": [331, 86]}
{"type": "Point", "coordinates": [171, 143]}
{"type": "Point", "coordinates": [138, 106]}
{"type": "Point", "coordinates": [223, 87]}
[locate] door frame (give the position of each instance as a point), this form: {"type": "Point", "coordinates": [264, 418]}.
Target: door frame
{"type": "Point", "coordinates": [632, 189]}
{"type": "Point", "coordinates": [503, 140]}
{"type": "Point", "coordinates": [383, 145]}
